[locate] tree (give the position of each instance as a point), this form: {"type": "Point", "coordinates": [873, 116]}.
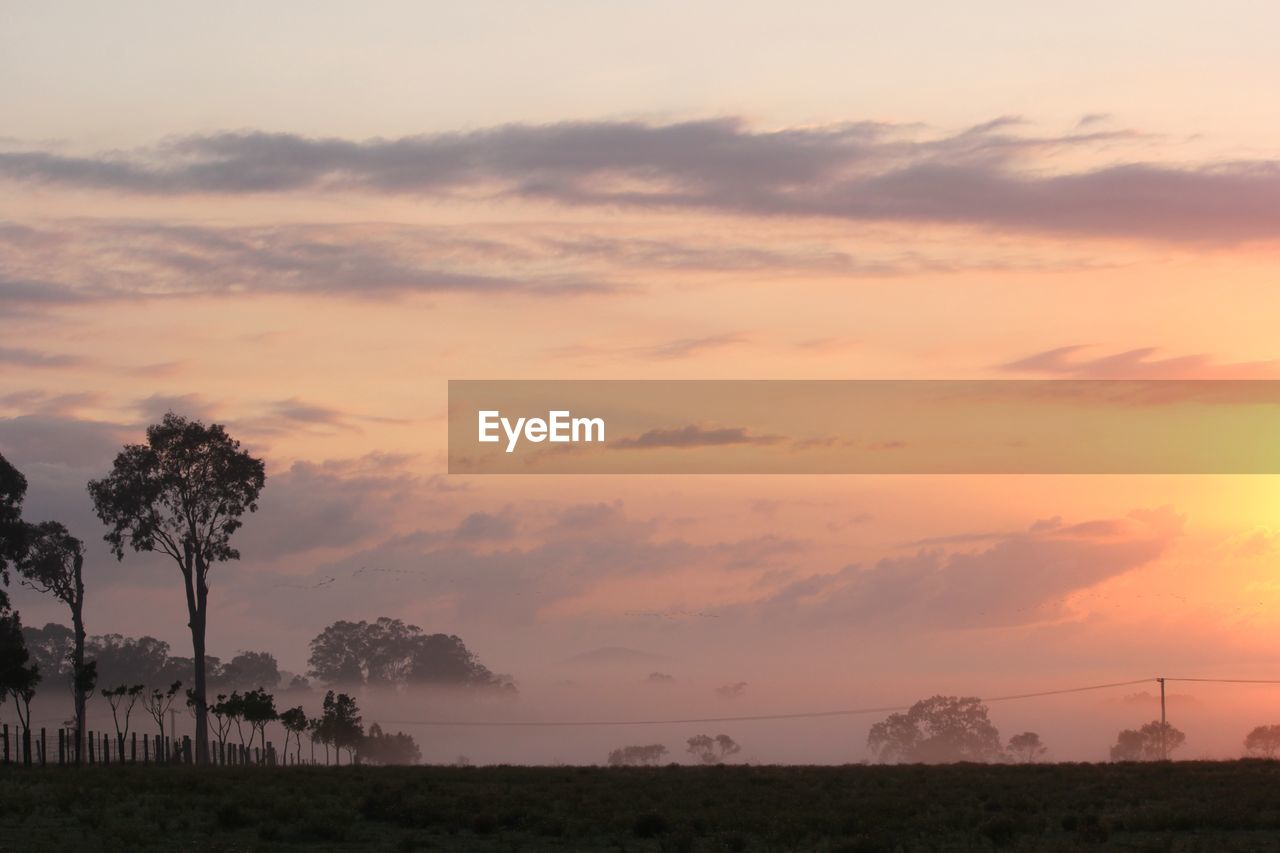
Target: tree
{"type": "Point", "coordinates": [1026, 747]}
{"type": "Point", "coordinates": [387, 652]}
{"type": "Point", "coordinates": [157, 703]}
{"type": "Point", "coordinates": [13, 532]}
{"type": "Point", "coordinates": [1263, 742]}
{"type": "Point", "coordinates": [378, 747]}
{"type": "Point", "coordinates": [258, 708]}
{"type": "Point", "coordinates": [341, 723]}
{"type": "Point", "coordinates": [295, 722]}
{"type": "Point", "coordinates": [220, 711]}
{"type": "Point", "coordinates": [637, 756]}
{"type": "Point", "coordinates": [712, 750]}
{"type": "Point", "coordinates": [52, 564]}
{"type": "Point", "coordinates": [1145, 744]}
{"type": "Point", "coordinates": [51, 647]}
{"type": "Point", "coordinates": [937, 730]}
{"type": "Point", "coordinates": [126, 660]}
{"type": "Point", "coordinates": [251, 669]}
{"type": "Point", "coordinates": [18, 675]}
{"type": "Point", "coordinates": [182, 493]}
{"type": "Point", "coordinates": [317, 734]}
{"type": "Point", "coordinates": [123, 697]}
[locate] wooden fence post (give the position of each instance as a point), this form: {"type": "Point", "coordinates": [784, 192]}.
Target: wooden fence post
{"type": "Point", "coordinates": [133, 749]}
{"type": "Point", "coordinates": [44, 748]}
{"type": "Point", "coordinates": [6, 743]}
{"type": "Point", "coordinates": [89, 743]}
{"type": "Point", "coordinates": [62, 746]}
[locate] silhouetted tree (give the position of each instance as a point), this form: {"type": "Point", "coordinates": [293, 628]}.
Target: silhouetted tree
{"type": "Point", "coordinates": [13, 532]}
{"type": "Point", "coordinates": [258, 708]}
{"type": "Point", "coordinates": [1144, 744]}
{"type": "Point", "coordinates": [18, 674]}
{"type": "Point", "coordinates": [158, 702]}
{"type": "Point", "coordinates": [220, 714]}
{"type": "Point", "coordinates": [53, 563]}
{"type": "Point", "coordinates": [937, 730]}
{"type": "Point", "coordinates": [712, 750]}
{"type": "Point", "coordinates": [122, 699]}
{"type": "Point", "coordinates": [379, 748]}
{"type": "Point", "coordinates": [182, 493]}
{"type": "Point", "coordinates": [387, 652]}
{"type": "Point", "coordinates": [637, 756]}
{"type": "Point", "coordinates": [1263, 742]}
{"type": "Point", "coordinates": [1026, 747]}
{"type": "Point", "coordinates": [251, 669]}
{"type": "Point", "coordinates": [341, 723]}
{"type": "Point", "coordinates": [294, 721]}
{"type": "Point", "coordinates": [317, 734]}
{"type": "Point", "coordinates": [51, 647]}
{"type": "Point", "coordinates": [126, 660]}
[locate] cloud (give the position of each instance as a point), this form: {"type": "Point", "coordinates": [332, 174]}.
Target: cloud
{"type": "Point", "coordinates": [993, 175]}
{"type": "Point", "coordinates": [678, 348]}
{"type": "Point", "coordinates": [1020, 578]}
{"type": "Point", "coordinates": [694, 436]}
{"type": "Point", "coordinates": [84, 260]}
{"type": "Point", "coordinates": [1140, 363]}
{"type": "Point", "coordinates": [32, 358]}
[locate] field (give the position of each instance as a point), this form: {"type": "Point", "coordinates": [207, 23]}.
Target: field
{"type": "Point", "coordinates": [1205, 806]}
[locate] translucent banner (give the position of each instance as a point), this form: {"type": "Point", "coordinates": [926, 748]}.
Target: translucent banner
{"type": "Point", "coordinates": [864, 427]}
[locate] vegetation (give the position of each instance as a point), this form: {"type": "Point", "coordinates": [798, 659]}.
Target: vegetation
{"type": "Point", "coordinates": [182, 494]}
{"type": "Point", "coordinates": [1187, 806]}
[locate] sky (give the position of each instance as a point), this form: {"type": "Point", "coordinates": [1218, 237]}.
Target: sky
{"type": "Point", "coordinates": [302, 219]}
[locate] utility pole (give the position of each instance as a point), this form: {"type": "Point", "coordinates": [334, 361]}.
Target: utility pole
{"type": "Point", "coordinates": [1164, 753]}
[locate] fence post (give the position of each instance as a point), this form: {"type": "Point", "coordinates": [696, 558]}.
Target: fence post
{"type": "Point", "coordinates": [186, 749]}
{"type": "Point", "coordinates": [146, 757]}
{"type": "Point", "coordinates": [6, 743]}
{"type": "Point", "coordinates": [120, 743]}
{"type": "Point", "coordinates": [26, 746]}
{"type": "Point", "coordinates": [88, 737]}
{"type": "Point", "coordinates": [133, 749]}
{"type": "Point", "coordinates": [44, 748]}
{"type": "Point", "coordinates": [62, 746]}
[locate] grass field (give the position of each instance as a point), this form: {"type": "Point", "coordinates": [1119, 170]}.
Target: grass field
{"type": "Point", "coordinates": [1207, 806]}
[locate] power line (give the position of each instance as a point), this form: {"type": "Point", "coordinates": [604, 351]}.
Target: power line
{"type": "Point", "coordinates": [802, 715]}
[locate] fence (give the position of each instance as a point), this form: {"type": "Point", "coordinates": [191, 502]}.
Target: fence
{"type": "Point", "coordinates": [31, 747]}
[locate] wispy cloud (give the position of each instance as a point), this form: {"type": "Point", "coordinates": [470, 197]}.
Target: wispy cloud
{"type": "Point", "coordinates": [994, 174]}
{"type": "Point", "coordinates": [694, 435]}
{"type": "Point", "coordinates": [1139, 363]}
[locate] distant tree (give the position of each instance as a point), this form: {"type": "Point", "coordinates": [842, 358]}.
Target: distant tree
{"type": "Point", "coordinates": [178, 668]}
{"type": "Point", "coordinates": [341, 724]}
{"type": "Point", "coordinates": [637, 756]}
{"type": "Point", "coordinates": [386, 749]}
{"type": "Point", "coordinates": [1026, 747]}
{"type": "Point", "coordinates": [258, 708]}
{"type": "Point", "coordinates": [387, 653]}
{"type": "Point", "coordinates": [295, 722]}
{"type": "Point", "coordinates": [251, 669]}
{"type": "Point", "coordinates": [317, 734]}
{"type": "Point", "coordinates": [937, 730]}
{"type": "Point", "coordinates": [1263, 742]}
{"type": "Point", "coordinates": [712, 750]}
{"type": "Point", "coordinates": [125, 660]}
{"type": "Point", "coordinates": [51, 647]}
{"type": "Point", "coordinates": [158, 702]}
{"type": "Point", "coordinates": [122, 699]}
{"type": "Point", "coordinates": [1144, 744]}
{"type": "Point", "coordinates": [53, 563]}
{"type": "Point", "coordinates": [182, 493]}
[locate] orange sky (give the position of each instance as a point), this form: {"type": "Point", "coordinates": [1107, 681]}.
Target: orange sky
{"type": "Point", "coordinates": [714, 209]}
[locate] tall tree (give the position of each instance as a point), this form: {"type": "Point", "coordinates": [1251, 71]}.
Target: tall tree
{"type": "Point", "coordinates": [182, 493]}
{"type": "Point", "coordinates": [53, 563]}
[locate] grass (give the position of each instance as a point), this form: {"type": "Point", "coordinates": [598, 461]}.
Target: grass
{"type": "Point", "coordinates": [1185, 806]}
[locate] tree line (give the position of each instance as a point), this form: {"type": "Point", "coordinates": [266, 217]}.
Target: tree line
{"type": "Point", "coordinates": [183, 494]}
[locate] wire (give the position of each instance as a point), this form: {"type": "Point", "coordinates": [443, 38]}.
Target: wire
{"type": "Point", "coordinates": [803, 715]}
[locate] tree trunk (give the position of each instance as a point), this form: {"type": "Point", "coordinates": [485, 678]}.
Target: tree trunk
{"type": "Point", "coordinates": [77, 669]}
{"type": "Point", "coordinates": [202, 712]}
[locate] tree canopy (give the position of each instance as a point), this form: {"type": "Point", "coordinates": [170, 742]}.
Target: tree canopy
{"type": "Point", "coordinates": [387, 652]}
{"type": "Point", "coordinates": [1144, 744]}
{"type": "Point", "coordinates": [937, 730]}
